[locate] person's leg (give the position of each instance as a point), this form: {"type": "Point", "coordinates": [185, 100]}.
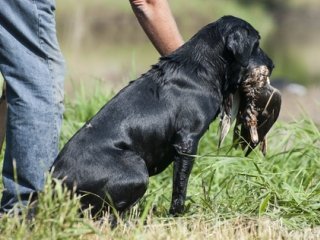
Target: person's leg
{"type": "Point", "coordinates": [33, 68]}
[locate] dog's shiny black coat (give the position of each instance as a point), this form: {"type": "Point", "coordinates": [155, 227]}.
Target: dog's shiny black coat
{"type": "Point", "coordinates": [159, 118]}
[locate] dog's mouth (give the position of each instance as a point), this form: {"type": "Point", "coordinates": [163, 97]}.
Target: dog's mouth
{"type": "Point", "coordinates": [256, 77]}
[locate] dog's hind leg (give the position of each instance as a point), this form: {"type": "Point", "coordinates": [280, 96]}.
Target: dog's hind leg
{"type": "Point", "coordinates": [128, 184]}
{"type": "Point", "coordinates": [128, 180]}
{"type": "Point", "coordinates": [128, 192]}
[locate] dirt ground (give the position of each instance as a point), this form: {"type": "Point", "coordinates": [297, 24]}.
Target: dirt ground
{"type": "Point", "coordinates": [297, 105]}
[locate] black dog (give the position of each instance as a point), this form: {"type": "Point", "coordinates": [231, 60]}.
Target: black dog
{"type": "Point", "coordinates": [159, 118]}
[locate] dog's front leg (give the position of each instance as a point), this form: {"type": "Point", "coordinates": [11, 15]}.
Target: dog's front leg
{"type": "Point", "coordinates": [183, 163]}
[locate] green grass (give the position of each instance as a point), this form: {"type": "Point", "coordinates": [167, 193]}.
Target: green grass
{"type": "Point", "coordinates": [229, 196]}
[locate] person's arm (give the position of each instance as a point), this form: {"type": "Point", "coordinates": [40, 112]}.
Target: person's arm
{"type": "Point", "coordinates": [157, 21]}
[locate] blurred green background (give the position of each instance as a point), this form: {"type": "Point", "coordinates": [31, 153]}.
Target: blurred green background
{"type": "Point", "coordinates": [103, 42]}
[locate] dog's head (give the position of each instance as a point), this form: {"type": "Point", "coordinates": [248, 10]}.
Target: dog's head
{"type": "Point", "coordinates": [242, 50]}
{"type": "Point", "coordinates": [241, 41]}
{"type": "Point", "coordinates": [224, 51]}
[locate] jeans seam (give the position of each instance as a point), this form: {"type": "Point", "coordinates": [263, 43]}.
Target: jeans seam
{"type": "Point", "coordinates": [50, 69]}
{"type": "Point", "coordinates": [38, 23]}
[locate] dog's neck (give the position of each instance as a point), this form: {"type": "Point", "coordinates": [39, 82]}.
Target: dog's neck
{"type": "Point", "coordinates": [203, 59]}
{"type": "Point", "coordinates": [207, 53]}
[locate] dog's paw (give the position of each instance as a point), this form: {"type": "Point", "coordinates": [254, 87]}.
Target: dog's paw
{"type": "Point", "coordinates": [177, 208]}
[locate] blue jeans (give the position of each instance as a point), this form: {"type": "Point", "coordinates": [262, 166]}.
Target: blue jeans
{"type": "Point", "coordinates": [33, 68]}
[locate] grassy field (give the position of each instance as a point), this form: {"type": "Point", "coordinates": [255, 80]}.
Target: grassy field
{"type": "Point", "coordinates": [229, 196]}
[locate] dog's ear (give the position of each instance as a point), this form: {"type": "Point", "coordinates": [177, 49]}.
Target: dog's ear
{"type": "Point", "coordinates": [240, 44]}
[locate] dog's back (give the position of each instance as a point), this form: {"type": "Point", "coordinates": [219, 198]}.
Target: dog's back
{"type": "Point", "coordinates": [135, 119]}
